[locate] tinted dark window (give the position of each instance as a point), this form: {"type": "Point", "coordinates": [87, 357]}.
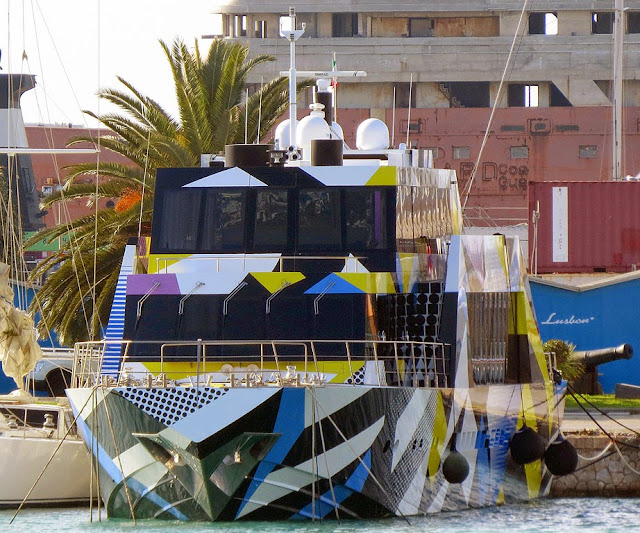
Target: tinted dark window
{"type": "Point", "coordinates": [344, 24]}
{"type": "Point", "coordinates": [633, 21]}
{"type": "Point", "coordinates": [602, 22]}
{"type": "Point", "coordinates": [223, 227]}
{"type": "Point", "coordinates": [366, 219]}
{"type": "Point", "coordinates": [319, 222]}
{"type": "Point", "coordinates": [180, 220]}
{"type": "Point", "coordinates": [271, 218]}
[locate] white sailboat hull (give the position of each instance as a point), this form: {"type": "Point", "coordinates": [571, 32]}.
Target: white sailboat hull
{"type": "Point", "coordinates": [66, 479]}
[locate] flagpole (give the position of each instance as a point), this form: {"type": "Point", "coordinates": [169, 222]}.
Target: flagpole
{"type": "Point", "coordinates": [335, 89]}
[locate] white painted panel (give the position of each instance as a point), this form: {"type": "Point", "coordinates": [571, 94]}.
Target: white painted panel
{"type": "Point", "coordinates": [560, 224]}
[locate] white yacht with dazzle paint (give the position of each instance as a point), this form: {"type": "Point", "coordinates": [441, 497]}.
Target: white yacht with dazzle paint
{"type": "Point", "coordinates": [307, 334]}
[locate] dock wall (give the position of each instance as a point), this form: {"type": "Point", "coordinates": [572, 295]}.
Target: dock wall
{"type": "Point", "coordinates": [608, 474]}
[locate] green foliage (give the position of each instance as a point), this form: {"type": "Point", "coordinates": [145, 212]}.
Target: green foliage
{"type": "Point", "coordinates": [602, 401]}
{"type": "Point", "coordinates": [570, 366]}
{"type": "Point", "coordinates": [76, 298]}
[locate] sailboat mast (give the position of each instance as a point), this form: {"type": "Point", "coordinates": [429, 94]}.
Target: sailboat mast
{"type": "Point", "coordinates": [618, 41]}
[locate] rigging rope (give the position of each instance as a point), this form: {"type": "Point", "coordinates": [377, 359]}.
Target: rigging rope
{"type": "Point", "coordinates": [495, 104]}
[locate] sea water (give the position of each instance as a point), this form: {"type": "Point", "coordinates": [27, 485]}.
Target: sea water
{"type": "Point", "coordinates": [583, 515]}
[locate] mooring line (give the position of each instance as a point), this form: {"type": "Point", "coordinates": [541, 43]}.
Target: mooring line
{"type": "Point", "coordinates": [346, 441]}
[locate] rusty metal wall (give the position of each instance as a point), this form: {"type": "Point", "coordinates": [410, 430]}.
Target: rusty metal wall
{"type": "Point", "coordinates": [596, 229]}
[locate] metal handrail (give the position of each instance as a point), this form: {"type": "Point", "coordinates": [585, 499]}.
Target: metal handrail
{"type": "Point", "coordinates": [187, 296]}
{"type": "Point", "coordinates": [144, 299]}
{"type": "Point", "coordinates": [267, 308]}
{"type": "Point", "coordinates": [162, 262]}
{"type": "Point", "coordinates": [382, 363]}
{"type": "Point", "coordinates": [235, 291]}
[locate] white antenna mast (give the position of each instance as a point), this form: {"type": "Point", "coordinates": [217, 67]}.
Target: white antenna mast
{"type": "Point", "coordinates": [292, 34]}
{"type": "Point", "coordinates": [618, 41]}
{"type": "Point", "coordinates": [288, 31]}
{"type": "Point", "coordinates": [393, 119]}
{"type": "Point", "coordinates": [246, 117]}
{"type": "Point", "coordinates": [409, 112]}
{"type": "Point", "coordinates": [260, 110]}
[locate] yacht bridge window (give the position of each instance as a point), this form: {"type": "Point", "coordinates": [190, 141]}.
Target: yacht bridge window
{"type": "Point", "coordinates": [289, 220]}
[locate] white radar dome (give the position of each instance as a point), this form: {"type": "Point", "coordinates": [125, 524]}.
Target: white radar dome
{"type": "Point", "coordinates": [372, 134]}
{"type": "Point", "coordinates": [283, 134]}
{"type": "Point", "coordinates": [311, 127]}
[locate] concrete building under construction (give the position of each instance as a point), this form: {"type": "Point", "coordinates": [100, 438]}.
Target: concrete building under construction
{"type": "Point", "coordinates": [433, 75]}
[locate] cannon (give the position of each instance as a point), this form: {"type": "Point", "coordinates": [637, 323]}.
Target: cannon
{"type": "Point", "coordinates": [588, 383]}
{"type": "Point", "coordinates": [591, 358]}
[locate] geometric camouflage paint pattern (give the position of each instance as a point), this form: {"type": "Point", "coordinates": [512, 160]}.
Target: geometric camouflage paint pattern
{"type": "Point", "coordinates": [219, 453]}
{"type": "Point", "coordinates": [264, 453]}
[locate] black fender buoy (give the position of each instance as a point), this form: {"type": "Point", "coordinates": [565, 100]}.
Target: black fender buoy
{"type": "Point", "coordinates": [527, 446]}
{"type": "Point", "coordinates": [455, 467]}
{"type": "Point", "coordinates": [561, 457]}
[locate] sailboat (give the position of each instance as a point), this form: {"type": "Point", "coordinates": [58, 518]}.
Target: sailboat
{"type": "Point", "coordinates": [38, 441]}
{"type": "Point", "coordinates": [42, 459]}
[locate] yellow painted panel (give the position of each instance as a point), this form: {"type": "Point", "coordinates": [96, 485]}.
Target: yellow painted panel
{"type": "Point", "coordinates": [438, 442]}
{"type": "Point", "coordinates": [159, 262]}
{"type": "Point", "coordinates": [533, 471]}
{"type": "Point", "coordinates": [383, 176]}
{"type": "Point", "coordinates": [519, 310]}
{"type": "Point", "coordinates": [533, 335]}
{"type": "Point", "coordinates": [370, 282]}
{"type": "Point", "coordinates": [502, 253]}
{"type": "Point", "coordinates": [273, 281]}
{"type": "Point", "coordinates": [339, 371]}
{"type": "Point", "coordinates": [407, 262]}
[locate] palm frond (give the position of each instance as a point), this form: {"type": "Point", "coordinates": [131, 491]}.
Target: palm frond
{"type": "Point", "coordinates": [209, 91]}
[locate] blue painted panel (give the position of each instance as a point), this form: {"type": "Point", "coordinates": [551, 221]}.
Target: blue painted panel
{"type": "Point", "coordinates": [592, 319]}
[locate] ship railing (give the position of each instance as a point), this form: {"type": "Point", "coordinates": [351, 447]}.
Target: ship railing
{"type": "Point", "coordinates": [552, 363]}
{"type": "Point", "coordinates": [400, 363]}
{"type": "Point", "coordinates": [44, 420]}
{"type": "Point", "coordinates": [351, 263]}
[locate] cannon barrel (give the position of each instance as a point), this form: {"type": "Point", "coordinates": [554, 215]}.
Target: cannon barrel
{"type": "Point", "coordinates": [592, 358]}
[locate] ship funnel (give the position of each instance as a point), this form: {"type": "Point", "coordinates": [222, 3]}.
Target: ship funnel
{"type": "Point", "coordinates": [247, 155]}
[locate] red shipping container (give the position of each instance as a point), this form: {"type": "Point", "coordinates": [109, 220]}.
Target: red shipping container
{"type": "Point", "coordinates": [577, 227]}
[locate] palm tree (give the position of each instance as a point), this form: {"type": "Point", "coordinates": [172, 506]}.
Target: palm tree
{"type": "Point", "coordinates": [76, 296]}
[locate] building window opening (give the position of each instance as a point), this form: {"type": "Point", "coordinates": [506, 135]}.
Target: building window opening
{"type": "Point", "coordinates": [543, 24]}
{"type": "Point", "coordinates": [240, 26]}
{"type": "Point", "coordinates": [519, 152]}
{"type": "Point", "coordinates": [557, 98]}
{"type": "Point", "coordinates": [260, 29]}
{"type": "Point", "coordinates": [633, 21]}
{"type": "Point", "coordinates": [435, 151]}
{"type": "Point", "coordinates": [530, 96]}
{"type": "Point", "coordinates": [402, 91]}
{"type": "Point", "coordinates": [588, 151]}
{"type": "Point", "coordinates": [421, 27]}
{"type": "Point", "coordinates": [468, 93]}
{"type": "Point", "coordinates": [461, 152]}
{"type": "Point", "coordinates": [602, 22]}
{"type": "Point", "coordinates": [344, 25]}
{"type": "Point", "coordinates": [521, 95]}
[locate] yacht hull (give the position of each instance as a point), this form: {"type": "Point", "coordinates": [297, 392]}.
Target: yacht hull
{"type": "Point", "coordinates": [64, 481]}
{"type": "Point", "coordinates": [314, 452]}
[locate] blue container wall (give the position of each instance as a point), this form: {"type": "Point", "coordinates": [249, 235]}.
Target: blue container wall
{"type": "Point", "coordinates": [592, 319]}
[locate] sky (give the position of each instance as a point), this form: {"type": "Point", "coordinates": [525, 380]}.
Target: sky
{"type": "Point", "coordinates": [75, 47]}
